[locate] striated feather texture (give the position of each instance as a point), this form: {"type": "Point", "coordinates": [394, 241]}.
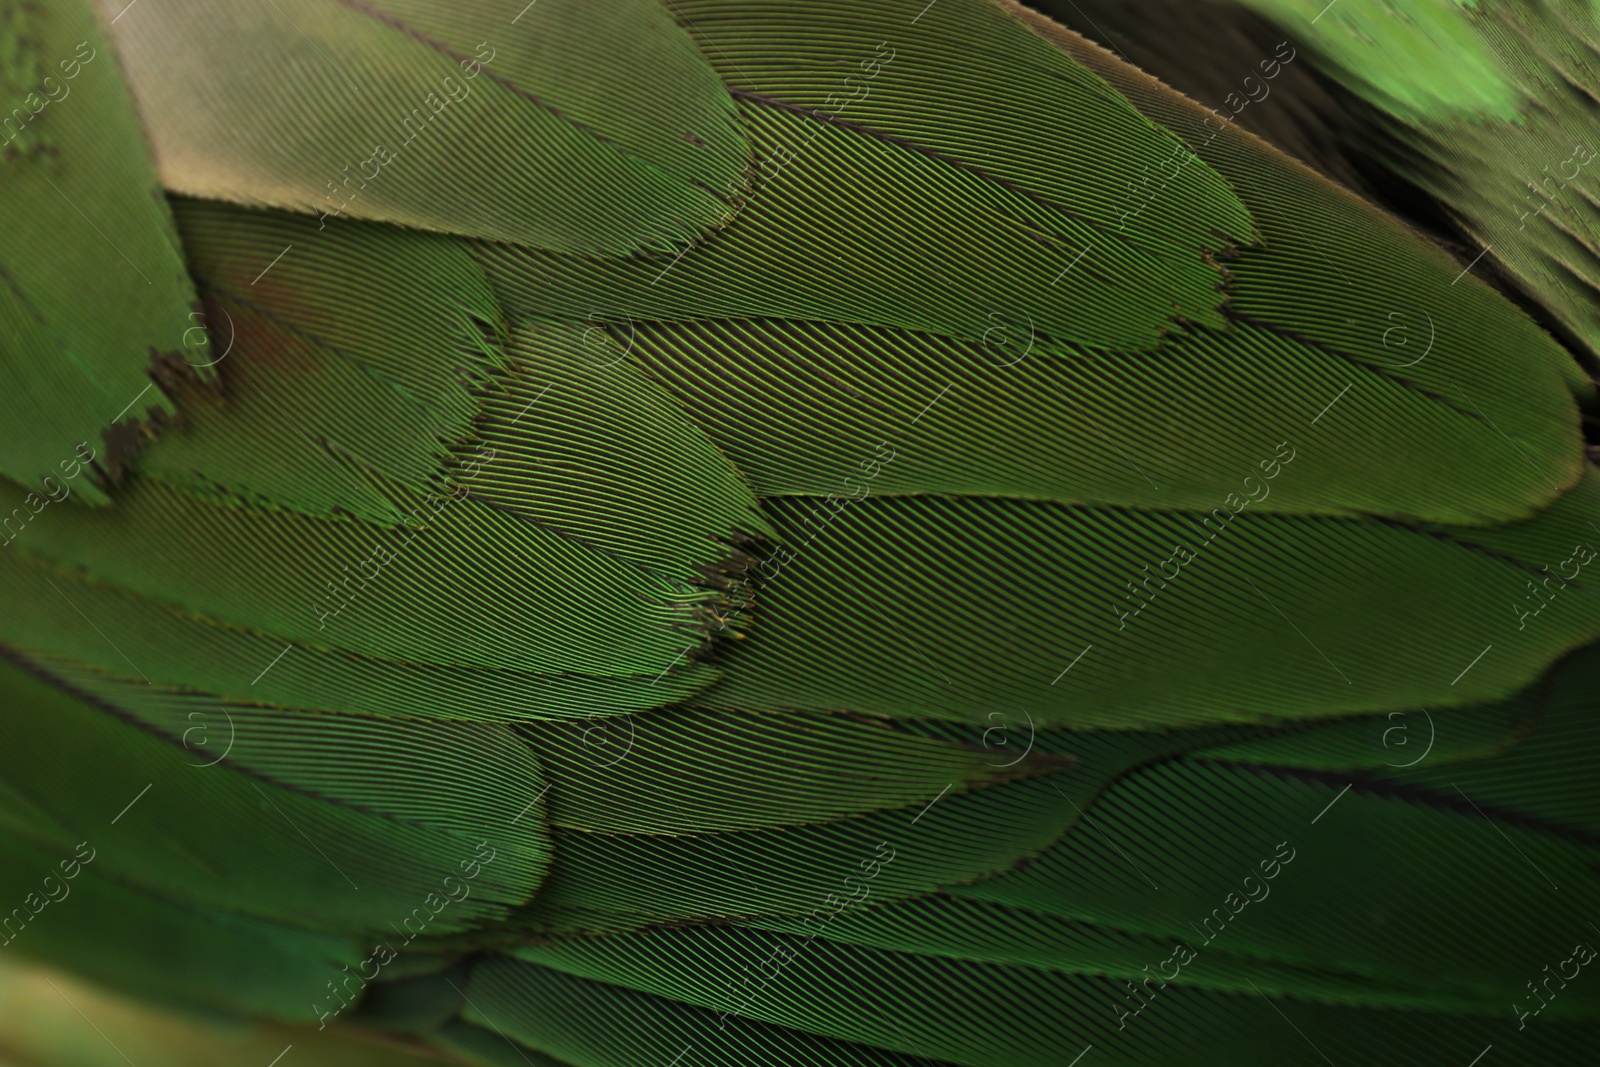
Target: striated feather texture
{"type": "Point", "coordinates": [723, 532]}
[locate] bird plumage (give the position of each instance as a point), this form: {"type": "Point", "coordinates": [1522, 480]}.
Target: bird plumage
{"type": "Point", "coordinates": [723, 532]}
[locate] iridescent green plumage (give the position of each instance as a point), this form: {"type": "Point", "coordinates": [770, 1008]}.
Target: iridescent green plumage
{"type": "Point", "coordinates": [772, 534]}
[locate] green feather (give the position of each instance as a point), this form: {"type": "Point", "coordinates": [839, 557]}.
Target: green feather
{"type": "Point", "coordinates": [404, 112]}
{"type": "Point", "coordinates": [775, 534]}
{"type": "Point", "coordinates": [86, 228]}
